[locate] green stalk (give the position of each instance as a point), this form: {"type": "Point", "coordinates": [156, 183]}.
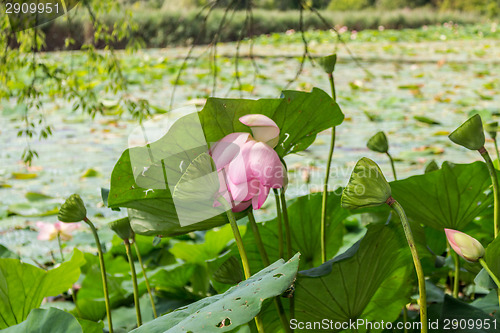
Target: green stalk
{"type": "Point", "coordinates": [265, 261]}
{"type": "Point", "coordinates": [60, 246]}
{"type": "Point", "coordinates": [392, 166]}
{"type": "Point", "coordinates": [456, 278]}
{"type": "Point", "coordinates": [279, 218]}
{"type": "Point", "coordinates": [103, 273]}
{"type": "Point", "coordinates": [492, 275]}
{"type": "Point", "coordinates": [496, 149]}
{"type": "Point", "coordinates": [327, 177]}
{"type": "Point", "coordinates": [134, 282]}
{"type": "Point", "coordinates": [288, 233]}
{"type": "Point", "coordinates": [416, 261]}
{"type": "Point", "coordinates": [494, 181]}
{"type": "Point", "coordinates": [148, 286]}
{"type": "Point", "coordinates": [237, 237]}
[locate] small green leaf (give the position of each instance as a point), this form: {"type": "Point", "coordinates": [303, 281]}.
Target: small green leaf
{"type": "Point", "coordinates": [426, 120]}
{"type": "Point", "coordinates": [72, 210]}
{"type": "Point", "coordinates": [378, 143]}
{"type": "Point", "coordinates": [367, 186]}
{"type": "Point", "coordinates": [328, 63]}
{"type": "Point", "coordinates": [470, 134]}
{"type": "Point", "coordinates": [431, 166]}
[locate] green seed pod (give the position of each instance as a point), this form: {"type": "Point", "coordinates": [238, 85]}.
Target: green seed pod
{"type": "Point", "coordinates": [122, 228]}
{"type": "Point", "coordinates": [328, 63]}
{"type": "Point", "coordinates": [470, 134]}
{"type": "Point", "coordinates": [432, 166]}
{"type": "Point", "coordinates": [72, 210]}
{"type": "Point", "coordinates": [378, 143]}
{"type": "Point", "coordinates": [367, 186]}
{"type": "Point", "coordinates": [491, 129]}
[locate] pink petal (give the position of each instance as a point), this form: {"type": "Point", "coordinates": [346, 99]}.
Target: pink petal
{"type": "Point", "coordinates": [260, 198]}
{"type": "Point", "coordinates": [228, 148]}
{"type": "Point", "coordinates": [263, 128]}
{"type": "Point", "coordinates": [450, 234]}
{"type": "Point", "coordinates": [242, 206]}
{"type": "Point", "coordinates": [245, 191]}
{"type": "Point", "coordinates": [266, 165]}
{"type": "Point", "coordinates": [238, 171]}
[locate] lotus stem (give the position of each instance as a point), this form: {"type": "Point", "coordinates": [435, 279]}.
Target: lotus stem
{"type": "Point", "coordinates": [148, 286]}
{"type": "Point", "coordinates": [60, 246]}
{"type": "Point", "coordinates": [392, 166]}
{"type": "Point", "coordinates": [492, 275]}
{"type": "Point", "coordinates": [496, 149]}
{"type": "Point", "coordinates": [494, 181]}
{"type": "Point", "coordinates": [279, 220]}
{"type": "Point", "coordinates": [288, 235]}
{"type": "Point", "coordinates": [103, 273]}
{"type": "Point", "coordinates": [416, 261]}
{"type": "Point", "coordinates": [265, 261]}
{"type": "Point", "coordinates": [327, 177]}
{"type": "Point", "coordinates": [456, 278]}
{"type": "Point", "coordinates": [288, 232]}
{"type": "Point", "coordinates": [134, 282]}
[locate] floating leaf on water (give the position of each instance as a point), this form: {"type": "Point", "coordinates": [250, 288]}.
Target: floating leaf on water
{"type": "Point", "coordinates": [21, 175]}
{"type": "Point", "coordinates": [426, 120]}
{"type": "Point", "coordinates": [91, 173]}
{"type": "Point", "coordinates": [37, 196]}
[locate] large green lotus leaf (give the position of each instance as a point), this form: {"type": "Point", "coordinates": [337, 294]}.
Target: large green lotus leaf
{"type": "Point", "coordinates": [450, 197]}
{"type": "Point", "coordinates": [48, 320]}
{"type": "Point", "coordinates": [491, 256]}
{"type": "Point", "coordinates": [463, 314]}
{"type": "Point", "coordinates": [237, 306]}
{"type": "Point", "coordinates": [299, 115]}
{"type": "Point", "coordinates": [369, 281]}
{"type": "Point", "coordinates": [304, 216]}
{"type": "Point", "coordinates": [146, 178]}
{"type": "Point", "coordinates": [23, 286]}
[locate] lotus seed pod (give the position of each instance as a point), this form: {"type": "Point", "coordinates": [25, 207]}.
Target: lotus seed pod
{"type": "Point", "coordinates": [72, 210]}
{"type": "Point", "coordinates": [464, 245]}
{"type": "Point", "coordinates": [378, 143]}
{"type": "Point", "coordinates": [491, 129]}
{"type": "Point", "coordinates": [367, 186]}
{"type": "Point", "coordinates": [122, 228]}
{"type": "Point", "coordinates": [328, 63]}
{"type": "Point", "coordinates": [470, 134]}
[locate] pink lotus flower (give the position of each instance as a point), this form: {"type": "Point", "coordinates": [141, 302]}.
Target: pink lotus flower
{"type": "Point", "coordinates": [247, 165]}
{"type": "Point", "coordinates": [464, 245]}
{"type": "Point", "coordinates": [49, 231]}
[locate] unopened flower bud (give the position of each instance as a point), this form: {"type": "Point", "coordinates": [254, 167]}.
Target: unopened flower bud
{"type": "Point", "coordinates": [378, 143]}
{"type": "Point", "coordinates": [464, 245]}
{"type": "Point", "coordinates": [72, 210]}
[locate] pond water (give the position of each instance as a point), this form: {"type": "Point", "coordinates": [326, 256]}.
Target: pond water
{"type": "Point", "coordinates": [438, 80]}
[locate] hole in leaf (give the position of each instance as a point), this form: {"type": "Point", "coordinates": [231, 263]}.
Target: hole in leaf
{"type": "Point", "coordinates": [224, 323]}
{"type": "Point", "coordinates": [278, 275]}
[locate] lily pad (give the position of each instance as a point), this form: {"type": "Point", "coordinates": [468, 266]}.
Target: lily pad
{"type": "Point", "coordinates": [237, 306]}
{"type": "Point", "coordinates": [450, 197]}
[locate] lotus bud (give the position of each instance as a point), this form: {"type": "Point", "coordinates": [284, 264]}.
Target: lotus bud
{"type": "Point", "coordinates": [122, 228]}
{"type": "Point", "coordinates": [432, 166]}
{"type": "Point", "coordinates": [328, 63]}
{"type": "Point", "coordinates": [470, 134]}
{"type": "Point", "coordinates": [464, 245]}
{"type": "Point", "coordinates": [491, 129]}
{"type": "Point", "coordinates": [367, 186]}
{"type": "Point", "coordinates": [378, 143]}
{"type": "Point", "coordinates": [72, 210]}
